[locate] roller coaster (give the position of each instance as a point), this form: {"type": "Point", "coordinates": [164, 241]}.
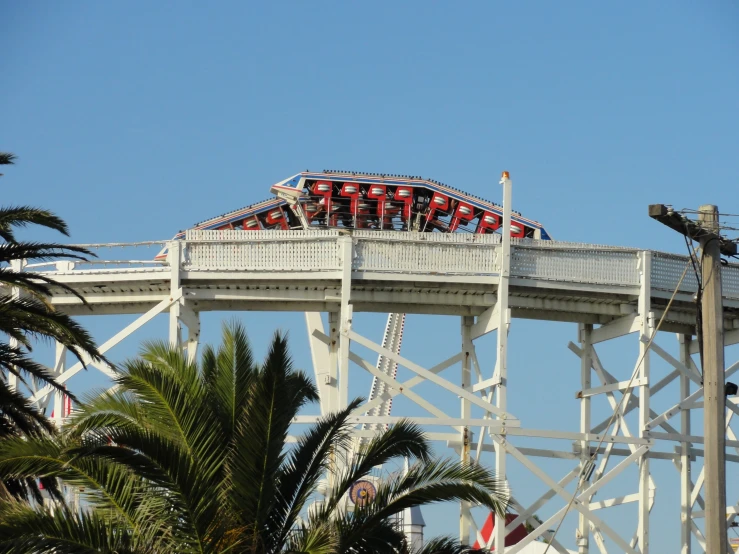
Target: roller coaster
{"type": "Point", "coordinates": [344, 243]}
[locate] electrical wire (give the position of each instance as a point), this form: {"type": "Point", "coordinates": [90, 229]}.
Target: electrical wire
{"type": "Point", "coordinates": [699, 294]}
{"type": "Point", "coordinates": [617, 410]}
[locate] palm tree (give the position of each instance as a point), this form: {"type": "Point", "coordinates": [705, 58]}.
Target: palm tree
{"type": "Point", "coordinates": [6, 158]}
{"type": "Point", "coordinates": [25, 315]}
{"type": "Point", "coordinates": [191, 458]}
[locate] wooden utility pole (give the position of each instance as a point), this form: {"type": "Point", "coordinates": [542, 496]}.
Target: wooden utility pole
{"type": "Point", "coordinates": [706, 230]}
{"type": "Point", "coordinates": [714, 387]}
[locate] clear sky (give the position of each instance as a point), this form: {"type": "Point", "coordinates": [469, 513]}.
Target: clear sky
{"type": "Point", "coordinates": [134, 120]}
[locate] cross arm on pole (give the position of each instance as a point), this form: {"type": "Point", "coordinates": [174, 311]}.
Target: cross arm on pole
{"type": "Point", "coordinates": [691, 229]}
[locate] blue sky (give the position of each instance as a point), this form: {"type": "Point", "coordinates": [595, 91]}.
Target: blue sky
{"type": "Point", "coordinates": [135, 120]}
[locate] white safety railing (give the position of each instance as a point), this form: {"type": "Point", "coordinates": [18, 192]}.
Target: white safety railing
{"type": "Point", "coordinates": [667, 269]}
{"type": "Point", "coordinates": [426, 253]}
{"type": "Point", "coordinates": [231, 250]}
{"type": "Point", "coordinates": [576, 264]}
{"type": "Point", "coordinates": [410, 253]}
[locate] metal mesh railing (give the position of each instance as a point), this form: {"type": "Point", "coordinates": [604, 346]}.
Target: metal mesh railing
{"type": "Point", "coordinates": [667, 269]}
{"type": "Point", "coordinates": [576, 265]}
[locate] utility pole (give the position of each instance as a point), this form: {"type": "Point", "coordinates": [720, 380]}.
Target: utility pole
{"type": "Point", "coordinates": [714, 387]}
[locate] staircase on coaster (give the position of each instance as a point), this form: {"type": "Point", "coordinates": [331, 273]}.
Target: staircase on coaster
{"type": "Point", "coordinates": [372, 201]}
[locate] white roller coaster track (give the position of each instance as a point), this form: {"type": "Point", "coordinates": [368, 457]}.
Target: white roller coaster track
{"type": "Point", "coordinates": [606, 292]}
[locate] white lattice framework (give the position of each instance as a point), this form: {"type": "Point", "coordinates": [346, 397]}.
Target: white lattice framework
{"type": "Point", "coordinates": [606, 292]}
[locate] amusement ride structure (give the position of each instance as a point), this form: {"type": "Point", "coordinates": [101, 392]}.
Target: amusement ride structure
{"type": "Point", "coordinates": [344, 243]}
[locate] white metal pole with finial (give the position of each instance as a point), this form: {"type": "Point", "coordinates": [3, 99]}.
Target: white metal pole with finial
{"type": "Point", "coordinates": [501, 357]}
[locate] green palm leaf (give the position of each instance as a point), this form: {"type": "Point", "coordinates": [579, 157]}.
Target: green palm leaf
{"type": "Point", "coordinates": [21, 216]}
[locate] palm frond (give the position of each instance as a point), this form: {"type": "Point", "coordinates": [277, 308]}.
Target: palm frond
{"type": "Point", "coordinates": [36, 284]}
{"type": "Point", "coordinates": [18, 415]}
{"type": "Point", "coordinates": [447, 545]}
{"type": "Point", "coordinates": [228, 375]}
{"type": "Point", "coordinates": [305, 466]}
{"type": "Point", "coordinates": [41, 251]}
{"type": "Point", "coordinates": [160, 425]}
{"type": "Point", "coordinates": [6, 158]}
{"type": "Point", "coordinates": [376, 536]}
{"type": "Point", "coordinates": [14, 361]}
{"type": "Point", "coordinates": [21, 216]}
{"type": "Point", "coordinates": [402, 440]}
{"type": "Point", "coordinates": [318, 539]}
{"type": "Point", "coordinates": [63, 531]}
{"type": "Point", "coordinates": [276, 396]}
{"type": "Point", "coordinates": [430, 483]}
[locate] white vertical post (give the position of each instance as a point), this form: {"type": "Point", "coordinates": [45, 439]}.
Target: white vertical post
{"type": "Point", "coordinates": [60, 363]}
{"type": "Point", "coordinates": [347, 254]}
{"type": "Point", "coordinates": [174, 257]}
{"type": "Point", "coordinates": [646, 330]}
{"type": "Point", "coordinates": [193, 337]}
{"type": "Point", "coordinates": [319, 352]}
{"type": "Point", "coordinates": [331, 402]}
{"type": "Point", "coordinates": [15, 292]}
{"type": "Point", "coordinates": [501, 354]}
{"type": "Point", "coordinates": [686, 482]}
{"type": "Point", "coordinates": [585, 329]}
{"type": "Point", "coordinates": [465, 413]}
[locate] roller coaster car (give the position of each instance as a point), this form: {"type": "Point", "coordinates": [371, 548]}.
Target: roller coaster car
{"type": "Point", "coordinates": [350, 200]}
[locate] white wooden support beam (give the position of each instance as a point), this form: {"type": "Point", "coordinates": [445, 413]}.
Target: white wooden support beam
{"type": "Point", "coordinates": [646, 328]}
{"type": "Point", "coordinates": [586, 364]}
{"type": "Point", "coordinates": [678, 365]}
{"type": "Point", "coordinates": [345, 316]}
{"type": "Point", "coordinates": [332, 399]}
{"type": "Point", "coordinates": [358, 419]}
{"type": "Point", "coordinates": [60, 361]}
{"type": "Point", "coordinates": [618, 501]}
{"type": "Point", "coordinates": [577, 503]}
{"type": "Point", "coordinates": [486, 384]}
{"type": "Point", "coordinates": [616, 328]}
{"type": "Point", "coordinates": [396, 387]}
{"type": "Point", "coordinates": [487, 321]}
{"type": "Point", "coordinates": [191, 319]}
{"type": "Point", "coordinates": [465, 517]}
{"type": "Point", "coordinates": [523, 515]}
{"type": "Point", "coordinates": [533, 522]}
{"type": "Point", "coordinates": [319, 353]}
{"type": "Point", "coordinates": [356, 337]}
{"type": "Point", "coordinates": [174, 259]}
{"type": "Point", "coordinates": [110, 343]}
{"type": "Point", "coordinates": [620, 386]}
{"type": "Point", "coordinates": [501, 352]}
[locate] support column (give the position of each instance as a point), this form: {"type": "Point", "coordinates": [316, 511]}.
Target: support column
{"type": "Point", "coordinates": [331, 402]}
{"type": "Point", "coordinates": [646, 330]}
{"type": "Point", "coordinates": [193, 337]}
{"type": "Point", "coordinates": [60, 364]}
{"type": "Point", "coordinates": [347, 253]}
{"type": "Point", "coordinates": [319, 352]}
{"type": "Point", "coordinates": [15, 292]}
{"type": "Point", "coordinates": [465, 413]}
{"type": "Point", "coordinates": [686, 479]}
{"type": "Point", "coordinates": [501, 354]}
{"type": "Point", "coordinates": [586, 363]}
{"type": "Point", "coordinates": [174, 257]}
